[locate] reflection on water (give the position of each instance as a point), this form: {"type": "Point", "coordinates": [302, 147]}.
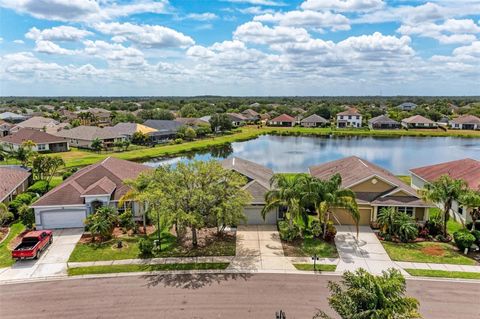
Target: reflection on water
{"type": "Point", "coordinates": [297, 153]}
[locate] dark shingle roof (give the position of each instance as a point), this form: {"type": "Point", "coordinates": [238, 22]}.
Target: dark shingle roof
{"type": "Point", "coordinates": [29, 134]}
{"type": "Point", "coordinates": [382, 119]}
{"type": "Point", "coordinates": [10, 178]}
{"type": "Point", "coordinates": [163, 126]}
{"type": "Point", "coordinates": [251, 170]}
{"type": "Point", "coordinates": [314, 118]}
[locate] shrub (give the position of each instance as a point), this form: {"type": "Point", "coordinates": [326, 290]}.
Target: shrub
{"type": "Point", "coordinates": [146, 246]}
{"type": "Point", "coordinates": [68, 173]}
{"type": "Point", "coordinates": [316, 228]}
{"type": "Point", "coordinates": [331, 231]}
{"type": "Point", "coordinates": [434, 224]}
{"type": "Point", "coordinates": [126, 221]}
{"type": "Point", "coordinates": [22, 199]}
{"type": "Point", "coordinates": [287, 232]}
{"type": "Point", "coordinates": [476, 234]}
{"type": "Point", "coordinates": [463, 239]}
{"type": "Point", "coordinates": [405, 227]}
{"type": "Point", "coordinates": [5, 215]}
{"type": "Point", "coordinates": [39, 187]}
{"type": "Point", "coordinates": [26, 216]}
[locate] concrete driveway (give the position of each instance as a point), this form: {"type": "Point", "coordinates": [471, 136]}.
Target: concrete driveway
{"type": "Point", "coordinates": [259, 248]}
{"type": "Point", "coordinates": [52, 262]}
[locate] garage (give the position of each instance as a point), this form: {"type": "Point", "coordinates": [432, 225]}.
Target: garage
{"type": "Point", "coordinates": [254, 216]}
{"type": "Point", "coordinates": [62, 219]}
{"type": "Point", "coordinates": [344, 218]}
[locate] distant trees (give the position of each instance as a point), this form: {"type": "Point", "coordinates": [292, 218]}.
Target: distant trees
{"type": "Point", "coordinates": [188, 111]}
{"type": "Point", "coordinates": [139, 138]}
{"type": "Point", "coordinates": [220, 122]}
{"type": "Point", "coordinates": [156, 114]}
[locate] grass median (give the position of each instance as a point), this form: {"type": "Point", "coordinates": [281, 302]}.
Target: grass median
{"type": "Point", "coordinates": [318, 267]}
{"type": "Point", "coordinates": [443, 273]}
{"type": "Point", "coordinates": [5, 253]}
{"type": "Point", "coordinates": [78, 271]}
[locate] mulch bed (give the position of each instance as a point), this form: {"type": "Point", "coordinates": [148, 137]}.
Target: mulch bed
{"type": "Point", "coordinates": [433, 251]}
{"type": "Point", "coordinates": [17, 240]}
{"type": "Point", "coordinates": [205, 237]}
{"type": "Point", "coordinates": [3, 232]}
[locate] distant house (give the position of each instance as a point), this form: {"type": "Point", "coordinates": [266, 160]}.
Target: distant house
{"type": "Point", "coordinates": [313, 120]}
{"type": "Point", "coordinates": [383, 122]}
{"type": "Point", "coordinates": [466, 169]}
{"type": "Point", "coordinates": [349, 118]}
{"type": "Point", "coordinates": [407, 106]}
{"type": "Point", "coordinates": [5, 128]}
{"type": "Point", "coordinates": [418, 121]}
{"type": "Point", "coordinates": [12, 117]}
{"type": "Point", "coordinates": [466, 122]}
{"type": "Point", "coordinates": [251, 115]}
{"type": "Point", "coordinates": [14, 180]}
{"type": "Point", "coordinates": [166, 129]}
{"type": "Point", "coordinates": [237, 119]}
{"type": "Point", "coordinates": [282, 120]}
{"type": "Point", "coordinates": [128, 129]}
{"type": "Point", "coordinates": [44, 142]}
{"type": "Point", "coordinates": [38, 123]}
{"type": "Point", "coordinates": [191, 121]}
{"type": "Point", "coordinates": [83, 136]}
{"type": "Point", "coordinates": [102, 116]}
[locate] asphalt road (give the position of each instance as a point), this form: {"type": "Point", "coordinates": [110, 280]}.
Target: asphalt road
{"type": "Point", "coordinates": [210, 296]}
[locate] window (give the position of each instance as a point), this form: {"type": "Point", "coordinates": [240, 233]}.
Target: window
{"type": "Point", "coordinates": [349, 117]}
{"type": "Point", "coordinates": [460, 210]}
{"type": "Point", "coordinates": [41, 147]}
{"type": "Point", "coordinates": [408, 210]}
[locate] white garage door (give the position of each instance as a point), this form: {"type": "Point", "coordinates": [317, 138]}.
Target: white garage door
{"type": "Point", "coordinates": [254, 216]}
{"type": "Point", "coordinates": [63, 219]}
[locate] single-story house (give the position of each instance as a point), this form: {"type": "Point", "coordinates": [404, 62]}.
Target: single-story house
{"type": "Point", "coordinates": [467, 169]}
{"type": "Point", "coordinates": [258, 184]}
{"type": "Point", "coordinates": [5, 128]}
{"type": "Point", "coordinates": [12, 117]}
{"type": "Point", "coordinates": [383, 122]}
{"type": "Point", "coordinates": [14, 180]}
{"type": "Point", "coordinates": [128, 129]}
{"type": "Point", "coordinates": [103, 116]}
{"type": "Point", "coordinates": [38, 123]}
{"type": "Point", "coordinates": [466, 122]}
{"type": "Point", "coordinates": [251, 115]}
{"type": "Point", "coordinates": [100, 184]}
{"type": "Point", "coordinates": [83, 136]}
{"type": "Point", "coordinates": [349, 118]}
{"type": "Point", "coordinates": [283, 120]}
{"type": "Point", "coordinates": [44, 142]}
{"type": "Point", "coordinates": [375, 188]}
{"type": "Point", "coordinates": [418, 121]}
{"type": "Point", "coordinates": [313, 120]}
{"type": "Point", "coordinates": [191, 121]}
{"type": "Point", "coordinates": [166, 129]}
{"type": "Point", "coordinates": [407, 106]}
{"type": "Point", "coordinates": [237, 119]}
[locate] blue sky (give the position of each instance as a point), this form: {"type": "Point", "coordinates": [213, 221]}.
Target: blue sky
{"type": "Point", "coordinates": [239, 47]}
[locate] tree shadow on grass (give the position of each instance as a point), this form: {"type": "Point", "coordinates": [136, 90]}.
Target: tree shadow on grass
{"type": "Point", "coordinates": [193, 281]}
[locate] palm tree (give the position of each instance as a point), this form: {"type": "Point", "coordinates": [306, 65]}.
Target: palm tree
{"type": "Point", "coordinates": [445, 191]}
{"type": "Point", "coordinates": [136, 193]}
{"type": "Point", "coordinates": [337, 197]}
{"type": "Point", "coordinates": [471, 199]}
{"type": "Point", "coordinates": [97, 144]}
{"type": "Point", "coordinates": [386, 219]}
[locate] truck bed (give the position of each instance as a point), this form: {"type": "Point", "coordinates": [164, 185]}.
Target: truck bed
{"type": "Point", "coordinates": [26, 245]}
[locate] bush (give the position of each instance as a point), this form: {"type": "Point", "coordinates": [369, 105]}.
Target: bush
{"type": "Point", "coordinates": [68, 173]}
{"type": "Point", "coordinates": [331, 231]}
{"type": "Point", "coordinates": [146, 247]}
{"type": "Point", "coordinates": [5, 216]}
{"type": "Point", "coordinates": [26, 216]}
{"type": "Point", "coordinates": [316, 228]}
{"type": "Point", "coordinates": [39, 187]}
{"type": "Point", "coordinates": [126, 221]}
{"type": "Point", "coordinates": [463, 239]}
{"type": "Point", "coordinates": [22, 199]}
{"type": "Point", "coordinates": [405, 227]}
{"type": "Point", "coordinates": [476, 234]}
{"type": "Point", "coordinates": [287, 232]}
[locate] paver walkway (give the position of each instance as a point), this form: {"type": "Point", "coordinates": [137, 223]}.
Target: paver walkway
{"type": "Point", "coordinates": [259, 248]}
{"type": "Point", "coordinates": [367, 252]}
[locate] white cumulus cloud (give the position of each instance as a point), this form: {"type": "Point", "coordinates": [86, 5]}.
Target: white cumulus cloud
{"type": "Point", "coordinates": [61, 33]}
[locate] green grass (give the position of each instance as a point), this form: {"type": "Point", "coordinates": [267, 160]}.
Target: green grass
{"type": "Point", "coordinates": [5, 253]}
{"type": "Point", "coordinates": [56, 180]}
{"type": "Point", "coordinates": [319, 267]}
{"type": "Point", "coordinates": [143, 268]}
{"type": "Point", "coordinates": [425, 252]}
{"type": "Point", "coordinates": [443, 273]}
{"type": "Point", "coordinates": [405, 178]}
{"type": "Point", "coordinates": [309, 247]}
{"type": "Point", "coordinates": [170, 248]}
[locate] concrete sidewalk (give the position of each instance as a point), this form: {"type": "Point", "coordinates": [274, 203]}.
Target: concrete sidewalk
{"type": "Point", "coordinates": [430, 266]}
{"type": "Point", "coordinates": [154, 261]}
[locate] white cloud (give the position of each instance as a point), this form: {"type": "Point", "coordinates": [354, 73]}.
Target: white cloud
{"type": "Point", "coordinates": [255, 32]}
{"type": "Point", "coordinates": [308, 19]}
{"type": "Point", "coordinates": [18, 41]}
{"type": "Point", "coordinates": [48, 47]}
{"type": "Point", "coordinates": [342, 5]}
{"type": "Point", "coordinates": [115, 53]}
{"type": "Point", "coordinates": [450, 31]}
{"type": "Point", "coordinates": [206, 16]}
{"type": "Point", "coordinates": [259, 2]}
{"type": "Point", "coordinates": [146, 35]}
{"type": "Point", "coordinates": [61, 33]}
{"type": "Point", "coordinates": [256, 10]}
{"type": "Point", "coordinates": [1, 39]}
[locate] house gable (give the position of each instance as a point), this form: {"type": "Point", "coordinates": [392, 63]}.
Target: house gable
{"type": "Point", "coordinates": [373, 184]}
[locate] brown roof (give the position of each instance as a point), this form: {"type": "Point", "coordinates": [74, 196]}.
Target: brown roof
{"type": "Point", "coordinates": [105, 177]}
{"type": "Point", "coordinates": [251, 113]}
{"type": "Point", "coordinates": [251, 170]}
{"type": "Point", "coordinates": [29, 134]}
{"type": "Point", "coordinates": [417, 119]}
{"type": "Point", "coordinates": [10, 178]}
{"type": "Point", "coordinates": [283, 118]}
{"type": "Point", "coordinates": [350, 111]}
{"type": "Point", "coordinates": [466, 119]}
{"type": "Point", "coordinates": [89, 133]}
{"type": "Point", "coordinates": [38, 122]}
{"type": "Point", "coordinates": [467, 169]}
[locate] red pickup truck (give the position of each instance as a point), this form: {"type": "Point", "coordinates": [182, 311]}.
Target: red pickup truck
{"type": "Point", "coordinates": [33, 243]}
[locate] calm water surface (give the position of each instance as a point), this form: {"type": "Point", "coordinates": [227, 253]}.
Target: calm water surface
{"type": "Point", "coordinates": [296, 154]}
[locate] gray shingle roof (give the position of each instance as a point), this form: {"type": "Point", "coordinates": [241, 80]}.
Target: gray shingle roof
{"type": "Point", "coordinates": [163, 126]}
{"type": "Point", "coordinates": [382, 119]}
{"type": "Point", "coordinates": [30, 134]}
{"type": "Point", "coordinates": [314, 118]}
{"type": "Point", "coordinates": [88, 133]}
{"type": "Point", "coordinates": [10, 178]}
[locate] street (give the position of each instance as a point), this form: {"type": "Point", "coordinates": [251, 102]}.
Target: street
{"type": "Point", "coordinates": [210, 296]}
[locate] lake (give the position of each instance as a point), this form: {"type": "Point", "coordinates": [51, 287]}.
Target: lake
{"type": "Point", "coordinates": [297, 153]}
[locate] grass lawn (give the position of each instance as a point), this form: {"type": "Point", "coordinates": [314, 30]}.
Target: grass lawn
{"type": "Point", "coordinates": [170, 248]}
{"type": "Point", "coordinates": [320, 267]}
{"type": "Point", "coordinates": [309, 247]}
{"type": "Point", "coordinates": [426, 252]}
{"type": "Point", "coordinates": [5, 253]}
{"type": "Point", "coordinates": [405, 178]}
{"type": "Point", "coordinates": [143, 268]}
{"type": "Point", "coordinates": [443, 273]}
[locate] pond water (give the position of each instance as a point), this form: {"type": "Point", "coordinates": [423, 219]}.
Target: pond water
{"type": "Point", "coordinates": [297, 153]}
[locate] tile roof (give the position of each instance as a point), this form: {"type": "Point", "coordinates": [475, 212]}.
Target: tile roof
{"type": "Point", "coordinates": [10, 178]}
{"type": "Point", "coordinates": [350, 111]}
{"type": "Point", "coordinates": [250, 113]}
{"type": "Point", "coordinates": [236, 117]}
{"type": "Point", "coordinates": [88, 133]}
{"type": "Point", "coordinates": [131, 128]}
{"type": "Point", "coordinates": [38, 122]}
{"type": "Point", "coordinates": [382, 119]}
{"type": "Point", "coordinates": [251, 170]}
{"type": "Point", "coordinates": [466, 119]}
{"type": "Point", "coordinates": [29, 134]}
{"type": "Point", "coordinates": [283, 118]}
{"type": "Point", "coordinates": [417, 119]}
{"type": "Point", "coordinates": [467, 169]}
{"type": "Point", "coordinates": [314, 118]}
{"type": "Point", "coordinates": [105, 177]}
{"type": "Point", "coordinates": [190, 121]}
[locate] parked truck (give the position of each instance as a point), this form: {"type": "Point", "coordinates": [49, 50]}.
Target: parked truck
{"type": "Point", "coordinates": [32, 245]}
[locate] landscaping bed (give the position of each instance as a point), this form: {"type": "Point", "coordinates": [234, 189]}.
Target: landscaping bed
{"type": "Point", "coordinates": [318, 267]}
{"type": "Point", "coordinates": [308, 247]}
{"type": "Point", "coordinates": [443, 273]}
{"type": "Point", "coordinates": [9, 243]}
{"type": "Point", "coordinates": [144, 268]}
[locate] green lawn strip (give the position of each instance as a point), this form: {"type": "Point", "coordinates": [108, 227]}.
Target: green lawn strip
{"type": "Point", "coordinates": [405, 178]}
{"type": "Point", "coordinates": [5, 253]}
{"type": "Point", "coordinates": [426, 252]}
{"type": "Point", "coordinates": [319, 267]}
{"type": "Point", "coordinates": [443, 273]}
{"type": "Point", "coordinates": [311, 246]}
{"type": "Point", "coordinates": [143, 268]}
{"type": "Point", "coordinates": [170, 248]}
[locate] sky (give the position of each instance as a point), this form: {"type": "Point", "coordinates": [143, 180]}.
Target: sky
{"type": "Point", "coordinates": [239, 47]}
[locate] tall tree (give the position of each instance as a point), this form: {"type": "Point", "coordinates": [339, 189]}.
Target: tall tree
{"type": "Point", "coordinates": [45, 167]}
{"type": "Point", "coordinates": [471, 199]}
{"type": "Point", "coordinates": [445, 191]}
